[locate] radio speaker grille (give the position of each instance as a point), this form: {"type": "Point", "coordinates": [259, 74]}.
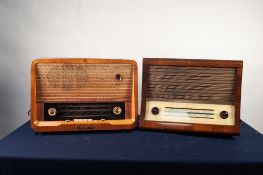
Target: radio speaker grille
{"type": "Point", "coordinates": [204, 84]}
{"type": "Point", "coordinates": [83, 82]}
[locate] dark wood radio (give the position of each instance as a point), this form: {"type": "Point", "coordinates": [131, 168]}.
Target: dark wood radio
{"type": "Point", "coordinates": [191, 95]}
{"type": "Point", "coordinates": [83, 94]}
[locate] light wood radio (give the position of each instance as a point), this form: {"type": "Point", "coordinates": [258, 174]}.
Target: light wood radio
{"type": "Point", "coordinates": [191, 95]}
{"type": "Point", "coordinates": [83, 94]}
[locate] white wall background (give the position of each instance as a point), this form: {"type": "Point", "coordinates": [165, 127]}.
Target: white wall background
{"type": "Point", "coordinates": [215, 29]}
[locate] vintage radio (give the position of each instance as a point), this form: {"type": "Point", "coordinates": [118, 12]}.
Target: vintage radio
{"type": "Point", "coordinates": [191, 95]}
{"type": "Point", "coordinates": [83, 94]}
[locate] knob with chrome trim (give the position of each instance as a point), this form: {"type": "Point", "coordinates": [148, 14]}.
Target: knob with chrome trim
{"type": "Point", "coordinates": [117, 110]}
{"type": "Point", "coordinates": [52, 112]}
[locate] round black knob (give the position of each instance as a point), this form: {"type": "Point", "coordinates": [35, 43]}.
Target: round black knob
{"type": "Point", "coordinates": [224, 114]}
{"type": "Point", "coordinates": [118, 77]}
{"type": "Point", "coordinates": [155, 111]}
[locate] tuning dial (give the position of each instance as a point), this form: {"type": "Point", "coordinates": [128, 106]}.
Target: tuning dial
{"type": "Point", "coordinates": [117, 110]}
{"type": "Point", "coordinates": [155, 111]}
{"type": "Point", "coordinates": [52, 112]}
{"type": "Point", "coordinates": [224, 114]}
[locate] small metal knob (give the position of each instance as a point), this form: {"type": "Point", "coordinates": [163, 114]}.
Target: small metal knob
{"type": "Point", "coordinates": [52, 112]}
{"type": "Point", "coordinates": [224, 114]}
{"type": "Point", "coordinates": [117, 110]}
{"type": "Point", "coordinates": [155, 111]}
{"type": "Point", "coordinates": [118, 77]}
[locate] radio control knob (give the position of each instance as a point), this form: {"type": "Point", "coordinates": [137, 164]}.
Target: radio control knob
{"type": "Point", "coordinates": [224, 114]}
{"type": "Point", "coordinates": [155, 111]}
{"type": "Point", "coordinates": [52, 112]}
{"type": "Point", "coordinates": [117, 110]}
{"type": "Point", "coordinates": [118, 77]}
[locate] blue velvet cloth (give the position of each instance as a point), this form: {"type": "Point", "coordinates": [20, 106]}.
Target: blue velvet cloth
{"type": "Point", "coordinates": [130, 152]}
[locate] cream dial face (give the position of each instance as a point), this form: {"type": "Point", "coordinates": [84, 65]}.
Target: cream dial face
{"type": "Point", "coordinates": [181, 112]}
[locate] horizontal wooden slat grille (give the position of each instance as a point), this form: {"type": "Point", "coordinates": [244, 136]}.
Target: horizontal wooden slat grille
{"type": "Point", "coordinates": [83, 82]}
{"type": "Point", "coordinates": [212, 85]}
